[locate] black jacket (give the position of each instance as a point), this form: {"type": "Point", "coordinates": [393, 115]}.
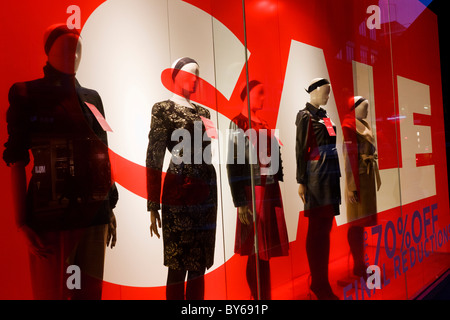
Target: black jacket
{"type": "Point", "coordinates": [239, 169]}
{"type": "Point", "coordinates": [71, 184]}
{"type": "Point", "coordinates": [317, 159]}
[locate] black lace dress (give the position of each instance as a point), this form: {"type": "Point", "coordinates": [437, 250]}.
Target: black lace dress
{"type": "Point", "coordinates": [189, 192]}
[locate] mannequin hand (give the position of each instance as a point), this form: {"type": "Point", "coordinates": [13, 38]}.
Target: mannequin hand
{"type": "Point", "coordinates": [302, 192]}
{"type": "Point", "coordinates": [34, 242]}
{"type": "Point", "coordinates": [155, 223]}
{"type": "Point", "coordinates": [112, 237]}
{"type": "Point", "coordinates": [352, 197]}
{"type": "Point", "coordinates": [244, 215]}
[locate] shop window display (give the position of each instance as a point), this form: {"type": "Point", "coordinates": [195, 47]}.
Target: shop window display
{"type": "Point", "coordinates": [294, 197]}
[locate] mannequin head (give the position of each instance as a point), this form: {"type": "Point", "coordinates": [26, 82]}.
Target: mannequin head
{"type": "Point", "coordinates": [256, 91]}
{"type": "Point", "coordinates": [185, 82]}
{"type": "Point", "coordinates": [361, 106]}
{"type": "Point", "coordinates": [319, 92]}
{"type": "Point", "coordinates": [63, 48]}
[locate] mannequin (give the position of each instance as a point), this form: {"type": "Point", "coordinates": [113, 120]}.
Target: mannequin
{"type": "Point", "coordinates": [63, 47]}
{"type": "Point", "coordinates": [56, 56]}
{"type": "Point", "coordinates": [186, 84]}
{"type": "Point", "coordinates": [361, 188]}
{"type": "Point", "coordinates": [269, 218]}
{"type": "Point", "coordinates": [318, 176]}
{"type": "Point", "coordinates": [318, 97]}
{"type": "Point", "coordinates": [77, 228]}
{"type": "Point", "coordinates": [189, 193]}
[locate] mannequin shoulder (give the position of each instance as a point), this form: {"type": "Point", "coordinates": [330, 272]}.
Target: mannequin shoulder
{"type": "Point", "coordinates": [90, 96]}
{"type": "Point", "coordinates": [203, 111]}
{"type": "Point", "coordinates": [302, 116]}
{"type": "Point", "coordinates": [239, 122]}
{"type": "Point", "coordinates": [349, 124]}
{"type": "Point", "coordinates": [162, 107]}
{"type": "Point", "coordinates": [91, 93]}
{"type": "Point", "coordinates": [23, 95]}
{"type": "Point", "coordinates": [17, 90]}
{"type": "Point", "coordinates": [26, 88]}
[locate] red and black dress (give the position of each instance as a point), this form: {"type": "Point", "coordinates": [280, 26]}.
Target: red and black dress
{"type": "Point", "coordinates": [267, 172]}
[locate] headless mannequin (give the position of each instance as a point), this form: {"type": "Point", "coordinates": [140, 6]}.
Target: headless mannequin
{"type": "Point", "coordinates": [65, 56]}
{"type": "Point", "coordinates": [319, 227]}
{"type": "Point", "coordinates": [185, 85]}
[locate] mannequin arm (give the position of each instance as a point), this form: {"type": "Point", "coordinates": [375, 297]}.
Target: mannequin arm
{"type": "Point", "coordinates": [352, 196]}
{"type": "Point", "coordinates": [302, 146]}
{"type": "Point", "coordinates": [19, 190]}
{"type": "Point", "coordinates": [302, 192]}
{"type": "Point", "coordinates": [157, 143]}
{"type": "Point", "coordinates": [245, 214]}
{"type": "Point", "coordinates": [350, 153]}
{"type": "Point", "coordinates": [238, 168]}
{"type": "Point", "coordinates": [155, 222]}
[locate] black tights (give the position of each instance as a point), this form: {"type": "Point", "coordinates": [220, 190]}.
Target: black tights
{"type": "Point", "coordinates": [355, 238]}
{"type": "Point", "coordinates": [318, 252]}
{"type": "Point", "coordinates": [264, 278]}
{"type": "Point", "coordinates": [195, 285]}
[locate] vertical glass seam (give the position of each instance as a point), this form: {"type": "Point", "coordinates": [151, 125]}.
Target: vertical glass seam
{"type": "Point", "coordinates": [397, 114]}
{"type": "Point", "coordinates": [219, 185]}
{"type": "Point", "coordinates": [252, 178]}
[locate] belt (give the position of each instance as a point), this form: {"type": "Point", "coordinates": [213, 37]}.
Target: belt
{"type": "Point", "coordinates": [371, 163]}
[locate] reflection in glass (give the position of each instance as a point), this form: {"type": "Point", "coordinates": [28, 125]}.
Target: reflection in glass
{"type": "Point", "coordinates": [65, 212]}
{"type": "Point", "coordinates": [362, 179]}
{"type": "Point", "coordinates": [254, 150]}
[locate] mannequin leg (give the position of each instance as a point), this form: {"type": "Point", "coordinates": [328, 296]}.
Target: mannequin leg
{"type": "Point", "coordinates": [355, 238]}
{"type": "Point", "coordinates": [90, 257]}
{"type": "Point", "coordinates": [175, 284]}
{"type": "Point", "coordinates": [251, 276]}
{"type": "Point", "coordinates": [318, 251]}
{"type": "Point", "coordinates": [195, 287]}
{"type": "Point", "coordinates": [47, 274]}
{"type": "Point", "coordinates": [264, 278]}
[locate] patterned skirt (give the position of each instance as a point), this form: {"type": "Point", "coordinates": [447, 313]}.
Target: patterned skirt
{"type": "Point", "coordinates": [189, 212]}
